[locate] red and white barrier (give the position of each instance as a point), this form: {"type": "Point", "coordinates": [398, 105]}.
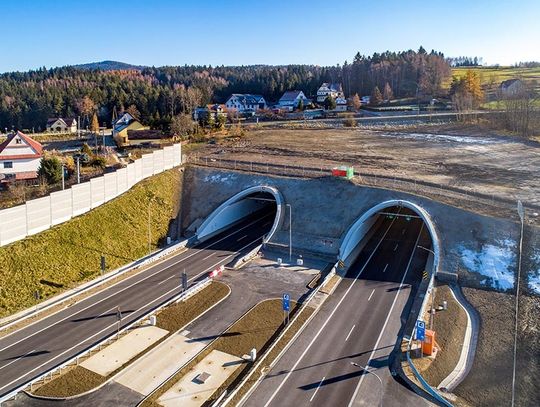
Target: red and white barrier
{"type": "Point", "coordinates": [217, 272]}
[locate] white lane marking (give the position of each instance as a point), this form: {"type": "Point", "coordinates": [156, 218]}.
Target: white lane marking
{"type": "Point", "coordinates": [371, 295]}
{"type": "Point", "coordinates": [350, 332]}
{"type": "Point", "coordinates": [207, 257]}
{"type": "Point", "coordinates": [125, 288]}
{"type": "Point", "coordinates": [317, 389]}
{"type": "Point", "coordinates": [387, 318]}
{"type": "Point", "coordinates": [395, 248]}
{"type": "Point", "coordinates": [385, 267]}
{"type": "Point", "coordinates": [243, 237]}
{"type": "Point", "coordinates": [19, 358]}
{"type": "Point", "coordinates": [306, 350]}
{"type": "Point", "coordinates": [167, 279]}
{"type": "Point", "coordinates": [114, 324]}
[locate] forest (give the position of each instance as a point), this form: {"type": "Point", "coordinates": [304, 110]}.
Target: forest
{"type": "Point", "coordinates": [28, 99]}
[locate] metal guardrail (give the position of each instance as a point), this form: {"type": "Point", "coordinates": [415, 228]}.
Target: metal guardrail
{"type": "Point", "coordinates": [115, 335]}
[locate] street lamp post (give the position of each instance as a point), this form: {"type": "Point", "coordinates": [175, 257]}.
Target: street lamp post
{"type": "Point", "coordinates": [290, 232]}
{"type": "Point", "coordinates": [432, 310]}
{"type": "Point", "coordinates": [521, 213]}
{"type": "Point", "coordinates": [374, 374]}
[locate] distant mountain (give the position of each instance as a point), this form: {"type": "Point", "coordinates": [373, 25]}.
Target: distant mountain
{"type": "Point", "coordinates": [109, 66]}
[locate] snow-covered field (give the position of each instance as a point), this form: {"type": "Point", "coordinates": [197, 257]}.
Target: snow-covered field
{"type": "Point", "coordinates": [445, 138]}
{"type": "Point", "coordinates": [495, 263]}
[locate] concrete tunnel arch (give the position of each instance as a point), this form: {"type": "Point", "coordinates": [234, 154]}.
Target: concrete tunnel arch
{"type": "Point", "coordinates": [362, 225]}
{"type": "Point", "coordinates": [221, 217]}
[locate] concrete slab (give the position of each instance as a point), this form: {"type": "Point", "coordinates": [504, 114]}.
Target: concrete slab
{"type": "Point", "coordinates": [191, 392]}
{"type": "Point", "coordinates": [156, 366]}
{"type": "Point", "coordinates": [123, 350]}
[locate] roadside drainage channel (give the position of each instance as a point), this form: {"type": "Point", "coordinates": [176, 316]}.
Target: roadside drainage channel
{"type": "Point", "coordinates": [20, 317]}
{"type": "Point", "coordinates": [114, 336]}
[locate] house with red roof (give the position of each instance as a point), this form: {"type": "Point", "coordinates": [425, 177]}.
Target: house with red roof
{"type": "Point", "coordinates": [20, 157]}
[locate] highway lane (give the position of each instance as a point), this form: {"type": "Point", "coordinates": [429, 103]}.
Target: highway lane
{"type": "Point", "coordinates": [27, 353]}
{"type": "Point", "coordinates": [360, 324]}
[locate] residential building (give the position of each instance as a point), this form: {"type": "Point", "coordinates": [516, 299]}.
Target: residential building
{"type": "Point", "coordinates": [291, 99]}
{"type": "Point", "coordinates": [61, 125]}
{"type": "Point", "coordinates": [20, 157]}
{"type": "Point", "coordinates": [341, 104]}
{"type": "Point", "coordinates": [126, 122]}
{"type": "Point", "coordinates": [329, 89]}
{"type": "Point", "coordinates": [511, 87]}
{"type": "Point", "coordinates": [245, 103]}
{"type": "Point", "coordinates": [215, 110]}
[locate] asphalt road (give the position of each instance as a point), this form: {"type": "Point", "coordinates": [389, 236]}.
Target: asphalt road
{"type": "Point", "coordinates": [359, 323]}
{"type": "Point", "coordinates": [33, 350]}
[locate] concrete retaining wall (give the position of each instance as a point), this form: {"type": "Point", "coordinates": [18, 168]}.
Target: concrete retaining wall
{"type": "Point", "coordinates": [325, 208]}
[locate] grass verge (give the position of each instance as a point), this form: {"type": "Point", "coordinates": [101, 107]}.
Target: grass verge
{"type": "Point", "coordinates": [78, 380]}
{"type": "Point", "coordinates": [449, 327]}
{"type": "Point", "coordinates": [69, 254]}
{"type": "Point", "coordinates": [258, 328]}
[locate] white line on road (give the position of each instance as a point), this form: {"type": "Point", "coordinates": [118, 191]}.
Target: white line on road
{"type": "Point", "coordinates": [123, 289]}
{"type": "Point", "coordinates": [317, 389]}
{"type": "Point", "coordinates": [19, 358]}
{"type": "Point", "coordinates": [114, 324]}
{"type": "Point", "coordinates": [385, 267]}
{"type": "Point", "coordinates": [306, 350]}
{"type": "Point", "coordinates": [210, 255]}
{"type": "Point", "coordinates": [387, 318]}
{"type": "Point", "coordinates": [371, 295]}
{"type": "Point", "coordinates": [167, 279]}
{"type": "Point", "coordinates": [350, 332]}
{"type": "Point", "coordinates": [395, 248]}
{"type": "Point", "coordinates": [243, 237]}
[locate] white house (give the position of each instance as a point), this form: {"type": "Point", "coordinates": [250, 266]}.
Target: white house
{"type": "Point", "coordinates": [341, 104]}
{"type": "Point", "coordinates": [292, 98]}
{"type": "Point", "coordinates": [511, 87]}
{"type": "Point", "coordinates": [329, 89]}
{"type": "Point", "coordinates": [20, 157]}
{"type": "Point", "coordinates": [61, 125]}
{"type": "Point", "coordinates": [245, 103]}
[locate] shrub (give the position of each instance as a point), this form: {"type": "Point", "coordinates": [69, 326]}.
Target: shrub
{"type": "Point", "coordinates": [349, 122]}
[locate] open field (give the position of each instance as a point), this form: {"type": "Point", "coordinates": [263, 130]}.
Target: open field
{"type": "Point", "coordinates": [469, 158]}
{"type": "Point", "coordinates": [69, 254]}
{"type": "Point", "coordinates": [497, 75]}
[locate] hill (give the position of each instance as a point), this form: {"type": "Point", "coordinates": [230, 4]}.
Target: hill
{"type": "Point", "coordinates": [109, 66]}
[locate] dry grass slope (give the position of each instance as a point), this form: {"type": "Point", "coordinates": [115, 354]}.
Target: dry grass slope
{"type": "Point", "coordinates": [69, 254]}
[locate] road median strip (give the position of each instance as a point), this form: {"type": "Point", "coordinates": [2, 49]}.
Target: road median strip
{"type": "Point", "coordinates": [78, 380]}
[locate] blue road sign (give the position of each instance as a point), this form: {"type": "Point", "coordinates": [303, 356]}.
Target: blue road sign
{"type": "Point", "coordinates": [420, 330]}
{"type": "Point", "coordinates": [286, 302]}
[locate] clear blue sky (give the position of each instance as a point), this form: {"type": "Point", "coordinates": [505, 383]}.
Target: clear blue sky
{"type": "Point", "coordinates": [232, 32]}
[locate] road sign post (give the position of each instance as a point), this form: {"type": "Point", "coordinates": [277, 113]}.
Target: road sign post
{"type": "Point", "coordinates": [286, 307]}
{"type": "Point", "coordinates": [184, 281]}
{"type": "Point", "coordinates": [421, 334]}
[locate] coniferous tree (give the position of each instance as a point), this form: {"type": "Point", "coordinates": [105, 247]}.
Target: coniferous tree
{"type": "Point", "coordinates": [376, 97]}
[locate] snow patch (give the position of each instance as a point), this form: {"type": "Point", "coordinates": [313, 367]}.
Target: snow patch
{"type": "Point", "coordinates": [219, 178]}
{"type": "Point", "coordinates": [445, 138]}
{"type": "Point", "coordinates": [494, 262]}
{"type": "Point", "coordinates": [534, 278]}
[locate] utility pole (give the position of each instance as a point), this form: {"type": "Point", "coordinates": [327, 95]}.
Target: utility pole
{"type": "Point", "coordinates": [290, 232]}
{"type": "Point", "coordinates": [521, 213]}
{"type": "Point", "coordinates": [78, 169]}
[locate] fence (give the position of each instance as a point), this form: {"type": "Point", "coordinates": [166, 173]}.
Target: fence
{"type": "Point", "coordinates": [40, 214]}
{"type": "Point", "coordinates": [468, 199]}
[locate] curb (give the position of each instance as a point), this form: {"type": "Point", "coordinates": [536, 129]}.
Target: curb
{"type": "Point", "coordinates": [470, 341]}
{"type": "Point", "coordinates": [112, 378]}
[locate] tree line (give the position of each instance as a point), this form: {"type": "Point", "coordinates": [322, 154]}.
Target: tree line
{"type": "Point", "coordinates": [156, 95]}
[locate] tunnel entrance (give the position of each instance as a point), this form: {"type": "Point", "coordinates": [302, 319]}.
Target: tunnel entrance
{"type": "Point", "coordinates": [260, 204]}
{"type": "Point", "coordinates": [404, 214]}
